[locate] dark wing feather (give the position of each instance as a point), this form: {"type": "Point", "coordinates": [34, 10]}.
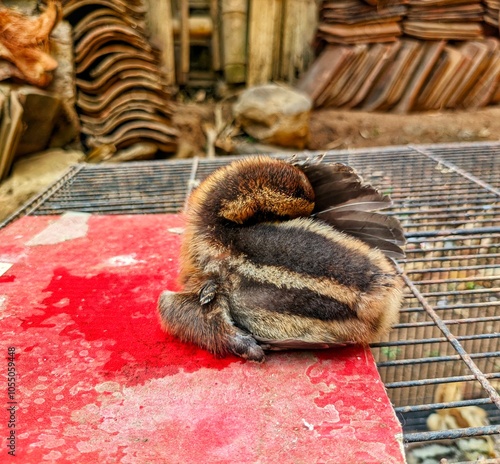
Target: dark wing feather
{"type": "Point", "coordinates": [336, 185]}
{"type": "Point", "coordinates": [390, 249]}
{"type": "Point", "coordinates": [365, 223]}
{"type": "Point", "coordinates": [345, 202]}
{"type": "Point", "coordinates": [297, 344]}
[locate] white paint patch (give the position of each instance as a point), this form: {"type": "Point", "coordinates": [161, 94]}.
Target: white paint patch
{"type": "Point", "coordinates": [307, 425]}
{"type": "Point", "coordinates": [62, 303]}
{"type": "Point", "coordinates": [52, 456]}
{"type": "Point", "coordinates": [108, 386]}
{"type": "Point", "coordinates": [176, 230]}
{"type": "Point", "coordinates": [4, 267]}
{"type": "Point", "coordinates": [124, 260]}
{"type": "Point", "coordinates": [69, 226]}
{"type": "Point", "coordinates": [51, 441]}
{"type": "Point", "coordinates": [87, 415]}
{"type": "Point", "coordinates": [3, 307]}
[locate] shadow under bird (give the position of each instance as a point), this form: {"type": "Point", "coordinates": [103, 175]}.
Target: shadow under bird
{"type": "Point", "coordinates": [282, 255]}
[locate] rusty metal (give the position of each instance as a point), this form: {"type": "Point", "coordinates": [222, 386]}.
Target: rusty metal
{"type": "Point", "coordinates": [439, 380]}
{"type": "Point", "coordinates": [449, 405]}
{"type": "Point", "coordinates": [453, 434]}
{"type": "Point", "coordinates": [435, 359]}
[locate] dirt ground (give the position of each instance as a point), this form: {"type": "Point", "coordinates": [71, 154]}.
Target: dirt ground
{"type": "Point", "coordinates": [334, 129]}
{"type": "Point", "coordinates": [329, 130]}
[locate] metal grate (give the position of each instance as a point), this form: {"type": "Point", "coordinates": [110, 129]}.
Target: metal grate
{"type": "Point", "coordinates": [447, 197]}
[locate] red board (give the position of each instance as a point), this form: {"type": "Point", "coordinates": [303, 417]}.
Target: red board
{"type": "Point", "coordinates": [97, 381]}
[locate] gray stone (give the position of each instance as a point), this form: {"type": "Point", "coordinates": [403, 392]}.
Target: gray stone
{"type": "Point", "coordinates": [275, 114]}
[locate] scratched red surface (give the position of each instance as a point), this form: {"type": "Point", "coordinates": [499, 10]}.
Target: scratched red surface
{"type": "Point", "coordinates": [99, 382]}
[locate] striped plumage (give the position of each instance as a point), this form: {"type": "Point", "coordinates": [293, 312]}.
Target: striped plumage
{"type": "Point", "coordinates": [279, 255]}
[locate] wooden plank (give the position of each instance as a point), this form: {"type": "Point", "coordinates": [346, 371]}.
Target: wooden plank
{"type": "Point", "coordinates": [10, 129]}
{"type": "Point", "coordinates": [159, 18]}
{"type": "Point", "coordinates": [234, 40]}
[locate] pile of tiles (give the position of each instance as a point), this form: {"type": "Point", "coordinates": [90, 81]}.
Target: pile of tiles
{"type": "Point", "coordinates": [444, 19]}
{"type": "Point", "coordinates": [492, 13]}
{"type": "Point", "coordinates": [364, 21]}
{"type": "Point", "coordinates": [407, 75]}
{"type": "Point", "coordinates": [121, 98]}
{"type": "Point", "coordinates": [354, 21]}
{"type": "Point", "coordinates": [438, 59]}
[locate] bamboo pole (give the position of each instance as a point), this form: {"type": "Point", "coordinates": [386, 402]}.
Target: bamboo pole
{"type": "Point", "coordinates": [300, 20]}
{"type": "Point", "coordinates": [261, 40]}
{"type": "Point", "coordinates": [216, 44]}
{"type": "Point", "coordinates": [198, 27]}
{"type": "Point", "coordinates": [159, 18]}
{"type": "Point", "coordinates": [234, 43]}
{"type": "Point", "coordinates": [184, 26]}
{"type": "Point", "coordinates": [277, 38]}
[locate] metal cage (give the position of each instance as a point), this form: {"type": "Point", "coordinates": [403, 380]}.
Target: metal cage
{"type": "Point", "coordinates": [447, 198]}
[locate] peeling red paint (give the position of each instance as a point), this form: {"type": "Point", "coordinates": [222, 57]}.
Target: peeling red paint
{"type": "Point", "coordinates": [98, 381]}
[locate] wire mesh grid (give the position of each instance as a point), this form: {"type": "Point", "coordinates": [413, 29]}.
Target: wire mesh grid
{"type": "Point", "coordinates": [444, 354]}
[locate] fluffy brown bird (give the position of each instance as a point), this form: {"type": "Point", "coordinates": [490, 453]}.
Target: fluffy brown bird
{"type": "Point", "coordinates": [281, 255]}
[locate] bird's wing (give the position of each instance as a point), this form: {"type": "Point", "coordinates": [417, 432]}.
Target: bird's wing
{"type": "Point", "coordinates": [297, 344]}
{"type": "Point", "coordinates": [345, 202]}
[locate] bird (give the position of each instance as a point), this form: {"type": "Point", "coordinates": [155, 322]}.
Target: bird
{"type": "Point", "coordinates": [285, 254]}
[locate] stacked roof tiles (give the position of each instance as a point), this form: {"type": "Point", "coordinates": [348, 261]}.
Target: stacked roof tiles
{"type": "Point", "coordinates": [405, 55]}
{"type": "Point", "coordinates": [121, 97]}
